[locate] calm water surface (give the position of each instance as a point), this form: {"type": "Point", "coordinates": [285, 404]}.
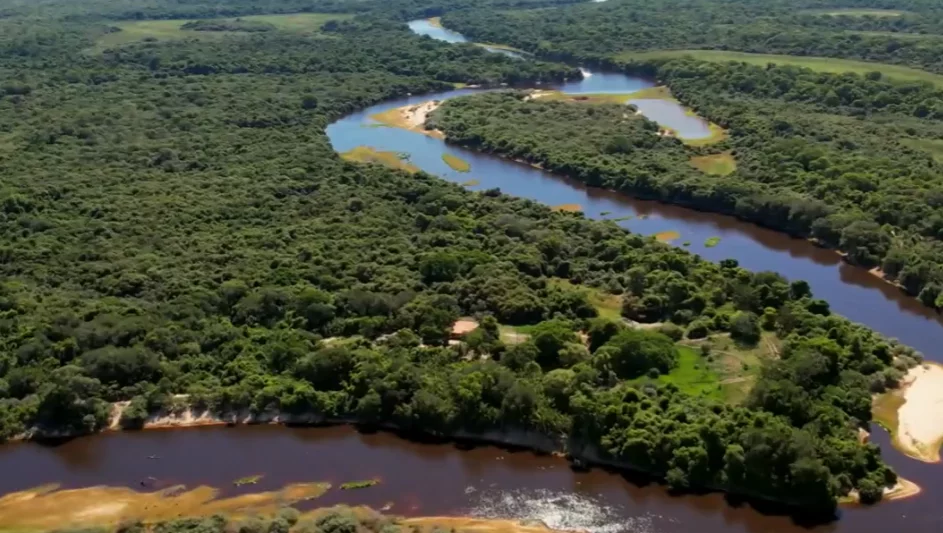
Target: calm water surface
{"type": "Point", "coordinates": [430, 479]}
{"type": "Point", "coordinates": [672, 115]}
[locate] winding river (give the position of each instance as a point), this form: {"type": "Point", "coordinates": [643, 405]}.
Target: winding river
{"type": "Point", "coordinates": [436, 478]}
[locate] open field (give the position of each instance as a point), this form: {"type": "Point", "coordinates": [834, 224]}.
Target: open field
{"type": "Point", "coordinates": [592, 98]}
{"type": "Point", "coordinates": [721, 164]}
{"type": "Point", "coordinates": [168, 30]}
{"type": "Point", "coordinates": [819, 64]}
{"type": "Point", "coordinates": [366, 154]}
{"type": "Point", "coordinates": [852, 12]}
{"type": "Point", "coordinates": [733, 367]}
{"type": "Point", "coordinates": [933, 147]}
{"type": "Point", "coordinates": [607, 305]}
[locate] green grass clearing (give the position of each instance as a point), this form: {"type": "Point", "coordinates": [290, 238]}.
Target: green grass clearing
{"type": "Point", "coordinates": [607, 305]}
{"type": "Point", "coordinates": [736, 366]}
{"type": "Point", "coordinates": [367, 154]}
{"type": "Point", "coordinates": [722, 164]}
{"type": "Point", "coordinates": [693, 375]}
{"type": "Point", "coordinates": [590, 98]}
{"type": "Point", "coordinates": [456, 163]}
{"type": "Point", "coordinates": [934, 147]}
{"type": "Point", "coordinates": [853, 12]}
{"type": "Point", "coordinates": [659, 92]}
{"type": "Point", "coordinates": [169, 30]}
{"type": "Point", "coordinates": [819, 64]}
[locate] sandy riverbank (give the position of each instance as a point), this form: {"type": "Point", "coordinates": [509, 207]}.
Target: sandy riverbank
{"type": "Point", "coordinates": [411, 117]}
{"type": "Point", "coordinates": [917, 423]}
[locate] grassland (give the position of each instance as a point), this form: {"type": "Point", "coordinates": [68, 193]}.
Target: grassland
{"type": "Point", "coordinates": [932, 146]}
{"type": "Point", "coordinates": [169, 30]}
{"type": "Point", "coordinates": [820, 64]}
{"type": "Point", "coordinates": [659, 92]}
{"type": "Point", "coordinates": [729, 370]}
{"type": "Point", "coordinates": [607, 305]}
{"type": "Point", "coordinates": [456, 163]}
{"type": "Point", "coordinates": [366, 154]}
{"type": "Point", "coordinates": [593, 98]}
{"type": "Point", "coordinates": [853, 12]}
{"type": "Point", "coordinates": [722, 164]}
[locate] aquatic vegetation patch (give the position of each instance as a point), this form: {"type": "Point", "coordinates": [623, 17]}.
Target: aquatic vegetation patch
{"type": "Point", "coordinates": [367, 154]}
{"type": "Point", "coordinates": [363, 484]}
{"type": "Point", "coordinates": [248, 480]}
{"type": "Point", "coordinates": [712, 242]}
{"type": "Point", "coordinates": [471, 183]}
{"type": "Point", "coordinates": [570, 208]}
{"type": "Point", "coordinates": [456, 163]}
{"type": "Point", "coordinates": [667, 236]}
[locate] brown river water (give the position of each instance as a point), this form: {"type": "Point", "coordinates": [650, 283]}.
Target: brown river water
{"type": "Point", "coordinates": [425, 479]}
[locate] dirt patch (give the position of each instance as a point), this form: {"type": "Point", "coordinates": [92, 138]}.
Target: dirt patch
{"type": "Point", "coordinates": [464, 326]}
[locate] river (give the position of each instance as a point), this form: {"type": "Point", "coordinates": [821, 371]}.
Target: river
{"type": "Point", "coordinates": [851, 291]}
{"type": "Point", "coordinates": [432, 479]}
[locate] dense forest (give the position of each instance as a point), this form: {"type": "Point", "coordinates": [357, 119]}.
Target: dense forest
{"type": "Point", "coordinates": [595, 31]}
{"type": "Point", "coordinates": [174, 221]}
{"type": "Point", "coordinates": [808, 161]}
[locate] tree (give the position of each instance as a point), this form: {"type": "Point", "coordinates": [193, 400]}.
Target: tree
{"type": "Point", "coordinates": [633, 352]}
{"type": "Point", "coordinates": [745, 328]}
{"type": "Point", "coordinates": [550, 338]}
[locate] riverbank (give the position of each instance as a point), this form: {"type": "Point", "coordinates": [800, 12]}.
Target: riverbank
{"type": "Point", "coordinates": [913, 414]}
{"type": "Point", "coordinates": [412, 118]}
{"type": "Point", "coordinates": [580, 455]}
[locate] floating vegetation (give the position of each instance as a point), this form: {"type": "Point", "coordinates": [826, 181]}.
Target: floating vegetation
{"type": "Point", "coordinates": [622, 219]}
{"type": "Point", "coordinates": [353, 485]}
{"type": "Point", "coordinates": [686, 243]}
{"type": "Point", "coordinates": [471, 183]}
{"type": "Point", "coordinates": [456, 163]}
{"type": "Point", "coordinates": [667, 236]}
{"type": "Point", "coordinates": [248, 480]}
{"type": "Point", "coordinates": [712, 242]}
{"type": "Point", "coordinates": [366, 154]}
{"type": "Point", "coordinates": [605, 213]}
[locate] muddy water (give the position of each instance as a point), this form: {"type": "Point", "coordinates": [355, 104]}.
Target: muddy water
{"type": "Point", "coordinates": [429, 479]}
